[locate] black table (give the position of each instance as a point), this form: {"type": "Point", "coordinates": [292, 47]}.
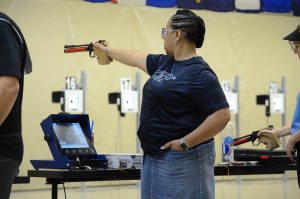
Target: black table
{"type": "Point", "coordinates": [55, 177]}
{"type": "Point", "coordinates": [253, 169]}
{"type": "Point", "coordinates": [21, 180]}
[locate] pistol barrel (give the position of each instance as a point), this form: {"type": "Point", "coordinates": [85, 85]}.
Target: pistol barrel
{"type": "Point", "coordinates": [76, 50]}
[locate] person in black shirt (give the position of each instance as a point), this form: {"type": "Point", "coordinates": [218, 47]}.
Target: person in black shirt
{"type": "Point", "coordinates": [183, 108]}
{"type": "Point", "coordinates": [14, 61]}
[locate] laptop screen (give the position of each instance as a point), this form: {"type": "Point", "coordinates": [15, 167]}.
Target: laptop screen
{"type": "Point", "coordinates": [70, 135]}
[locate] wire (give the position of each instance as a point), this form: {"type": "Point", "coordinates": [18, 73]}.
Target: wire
{"type": "Point", "coordinates": [228, 173]}
{"type": "Point", "coordinates": [64, 190]}
{"type": "Point", "coordinates": [118, 135]}
{"type": "Point", "coordinates": [124, 171]}
{"type": "Point", "coordinates": [227, 167]}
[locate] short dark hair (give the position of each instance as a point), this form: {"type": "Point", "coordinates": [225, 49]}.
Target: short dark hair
{"type": "Point", "coordinates": [190, 23]}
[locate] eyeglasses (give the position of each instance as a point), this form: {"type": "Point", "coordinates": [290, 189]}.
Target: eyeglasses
{"type": "Point", "coordinates": [164, 32]}
{"type": "Point", "coordinates": [294, 46]}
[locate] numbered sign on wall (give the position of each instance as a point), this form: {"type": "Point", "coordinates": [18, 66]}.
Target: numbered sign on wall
{"type": "Point", "coordinates": [273, 87]}
{"type": "Point", "coordinates": [71, 83]}
{"type": "Point", "coordinates": [73, 96]}
{"type": "Point", "coordinates": [226, 86]}
{"type": "Point", "coordinates": [129, 98]}
{"type": "Point", "coordinates": [232, 97]}
{"type": "Point", "coordinates": [125, 84]}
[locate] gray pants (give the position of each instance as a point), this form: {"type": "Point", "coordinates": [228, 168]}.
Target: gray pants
{"type": "Point", "coordinates": [8, 170]}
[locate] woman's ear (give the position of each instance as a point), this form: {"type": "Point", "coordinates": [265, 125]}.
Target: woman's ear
{"type": "Point", "coordinates": [178, 35]}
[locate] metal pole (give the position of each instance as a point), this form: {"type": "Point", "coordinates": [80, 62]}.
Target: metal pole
{"type": "Point", "coordinates": [237, 115]}
{"type": "Point", "coordinates": [83, 76]}
{"type": "Point", "coordinates": [54, 191]}
{"type": "Point", "coordinates": [83, 87]}
{"type": "Point", "coordinates": [283, 115]}
{"type": "Point", "coordinates": [138, 89]}
{"type": "Point", "coordinates": [283, 123]}
{"type": "Point", "coordinates": [237, 126]}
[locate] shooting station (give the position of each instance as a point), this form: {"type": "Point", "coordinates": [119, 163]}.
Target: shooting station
{"type": "Point", "coordinates": [84, 119]}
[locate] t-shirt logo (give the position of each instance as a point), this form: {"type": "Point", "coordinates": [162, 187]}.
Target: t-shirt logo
{"type": "Point", "coordinates": [162, 75]}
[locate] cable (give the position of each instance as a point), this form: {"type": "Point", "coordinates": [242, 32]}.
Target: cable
{"type": "Point", "coordinates": [124, 171]}
{"type": "Point", "coordinates": [64, 190]}
{"type": "Point", "coordinates": [228, 173]}
{"type": "Point", "coordinates": [227, 167]}
{"type": "Point", "coordinates": [118, 135]}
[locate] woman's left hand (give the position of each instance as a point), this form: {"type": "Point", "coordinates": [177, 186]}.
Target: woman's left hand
{"type": "Point", "coordinates": [174, 144]}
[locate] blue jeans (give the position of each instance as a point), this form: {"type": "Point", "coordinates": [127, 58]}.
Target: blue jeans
{"type": "Point", "coordinates": [179, 174]}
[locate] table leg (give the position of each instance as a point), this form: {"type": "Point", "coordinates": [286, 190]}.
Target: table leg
{"type": "Point", "coordinates": [54, 191]}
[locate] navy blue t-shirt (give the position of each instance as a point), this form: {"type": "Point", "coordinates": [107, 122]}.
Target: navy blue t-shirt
{"type": "Point", "coordinates": [177, 98]}
{"type": "Point", "coordinates": [12, 58]}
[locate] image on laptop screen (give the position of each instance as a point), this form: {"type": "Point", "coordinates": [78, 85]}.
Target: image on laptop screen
{"type": "Point", "coordinates": [70, 135]}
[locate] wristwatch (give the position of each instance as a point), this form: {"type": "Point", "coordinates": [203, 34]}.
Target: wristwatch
{"type": "Point", "coordinates": [183, 145]}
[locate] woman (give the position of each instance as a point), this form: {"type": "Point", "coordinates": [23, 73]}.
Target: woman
{"type": "Point", "coordinates": [183, 108]}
